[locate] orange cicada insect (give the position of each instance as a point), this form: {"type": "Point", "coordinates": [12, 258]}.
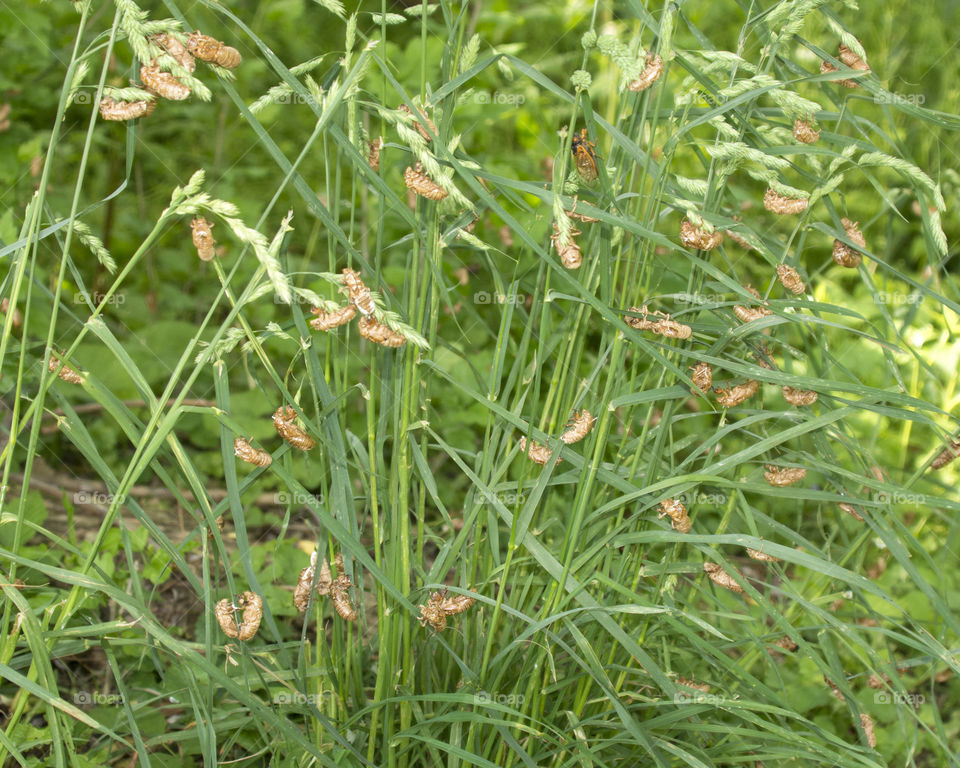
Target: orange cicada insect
{"type": "Point", "coordinates": [584, 156]}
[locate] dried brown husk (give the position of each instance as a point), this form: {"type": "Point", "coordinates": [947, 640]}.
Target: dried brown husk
{"type": "Point", "coordinates": [774, 202]}
{"type": "Point", "coordinates": [203, 238]}
{"type": "Point", "coordinates": [433, 614]}
{"type": "Point", "coordinates": [703, 687]}
{"type": "Point", "coordinates": [790, 279]}
{"type": "Point", "coordinates": [422, 184]}
{"type": "Point", "coordinates": [246, 452]}
{"type": "Point", "coordinates": [749, 314]}
{"type": "Point", "coordinates": [379, 333]}
{"type": "Point", "coordinates": [677, 512]}
{"type": "Point", "coordinates": [213, 51]}
{"type": "Point", "coordinates": [702, 378]}
{"type": "Point", "coordinates": [786, 643]}
{"type": "Point", "coordinates": [650, 74]}
{"type": "Point", "coordinates": [851, 59]}
{"type": "Point", "coordinates": [176, 49]}
{"type": "Point", "coordinates": [340, 596]}
{"type": "Point", "coordinates": [111, 109]}
{"type": "Point", "coordinates": [803, 131]}
{"type": "Point", "coordinates": [357, 291]}
{"type": "Point", "coordinates": [66, 372]}
{"type": "Point", "coordinates": [455, 604]}
{"type": "Point", "coordinates": [283, 422]}
{"type": "Point", "coordinates": [738, 239]}
{"type": "Point", "coordinates": [736, 395]}
{"type": "Point", "coordinates": [850, 510]}
{"type": "Point", "coordinates": [692, 237]}
{"type": "Point", "coordinates": [570, 255]}
{"type": "Point", "coordinates": [784, 476]}
{"type": "Point", "coordinates": [826, 67]}
{"type": "Point", "coordinates": [537, 453]}
{"type": "Point", "coordinates": [799, 396]}
{"type": "Point", "coordinates": [756, 554]}
{"type": "Point", "coordinates": [580, 427]}
{"type": "Point", "coordinates": [721, 578]}
{"type": "Point", "coordinates": [251, 606]}
{"type": "Point", "coordinates": [948, 454]}
{"type": "Point", "coordinates": [162, 83]}
{"type": "Point", "coordinates": [327, 321]}
{"type": "Point", "coordinates": [419, 128]}
{"type": "Point", "coordinates": [373, 153]}
{"type": "Point", "coordinates": [867, 722]}
{"type": "Point", "coordinates": [843, 254]}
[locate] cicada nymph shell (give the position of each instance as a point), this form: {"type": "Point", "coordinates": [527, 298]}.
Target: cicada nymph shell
{"type": "Point", "coordinates": [422, 184]}
{"type": "Point", "coordinates": [867, 723]}
{"type": "Point", "coordinates": [878, 681]}
{"type": "Point", "coordinates": [301, 592]}
{"type": "Point", "coordinates": [672, 329]}
{"type": "Point", "coordinates": [851, 59]}
{"type": "Point", "coordinates": [379, 333]}
{"type": "Point", "coordinates": [203, 238]}
{"type": "Point", "coordinates": [826, 66]}
{"type": "Point", "coordinates": [251, 606]}
{"type": "Point", "coordinates": [843, 254]}
{"type": "Point", "coordinates": [781, 204]}
{"type": "Point", "coordinates": [111, 109]}
{"type": "Point", "coordinates": [340, 595]}
{"type": "Point", "coordinates": [212, 51]}
{"type": "Point", "coordinates": [850, 510]}
{"type": "Point", "coordinates": [176, 49]}
{"type": "Point", "coordinates": [66, 372]}
{"type": "Point", "coordinates": [650, 74]}
{"type": "Point", "coordinates": [373, 153]}
{"type": "Point", "coordinates": [283, 422]}
{"type": "Point", "coordinates": [692, 237]}
{"type": "Point", "coordinates": [702, 378]}
{"type": "Point", "coordinates": [799, 396]}
{"type": "Point", "coordinates": [246, 452]}
{"type": "Point", "coordinates": [738, 239]}
{"type": "Point", "coordinates": [539, 454]}
{"type": "Point", "coordinates": [702, 687]}
{"type": "Point", "coordinates": [948, 454]}
{"type": "Point", "coordinates": [790, 279]}
{"type": "Point", "coordinates": [783, 476]}
{"type": "Point", "coordinates": [419, 128]}
{"type": "Point", "coordinates": [721, 578]}
{"type": "Point", "coordinates": [736, 395]}
{"type": "Point", "coordinates": [358, 292]}
{"type": "Point", "coordinates": [803, 131]}
{"type": "Point", "coordinates": [570, 255]}
{"type": "Point", "coordinates": [5, 307]}
{"type": "Point", "coordinates": [572, 213]}
{"type": "Point", "coordinates": [677, 513]}
{"type": "Point", "coordinates": [327, 321]}
{"type": "Point", "coordinates": [162, 83]}
{"type": "Point", "coordinates": [749, 314]}
{"type": "Point", "coordinates": [662, 325]}
{"type": "Point", "coordinates": [433, 614]}
{"type": "Point", "coordinates": [786, 643]}
{"type": "Point", "coordinates": [452, 605]}
{"type": "Point", "coordinates": [580, 426]}
{"type": "Point", "coordinates": [756, 554]}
